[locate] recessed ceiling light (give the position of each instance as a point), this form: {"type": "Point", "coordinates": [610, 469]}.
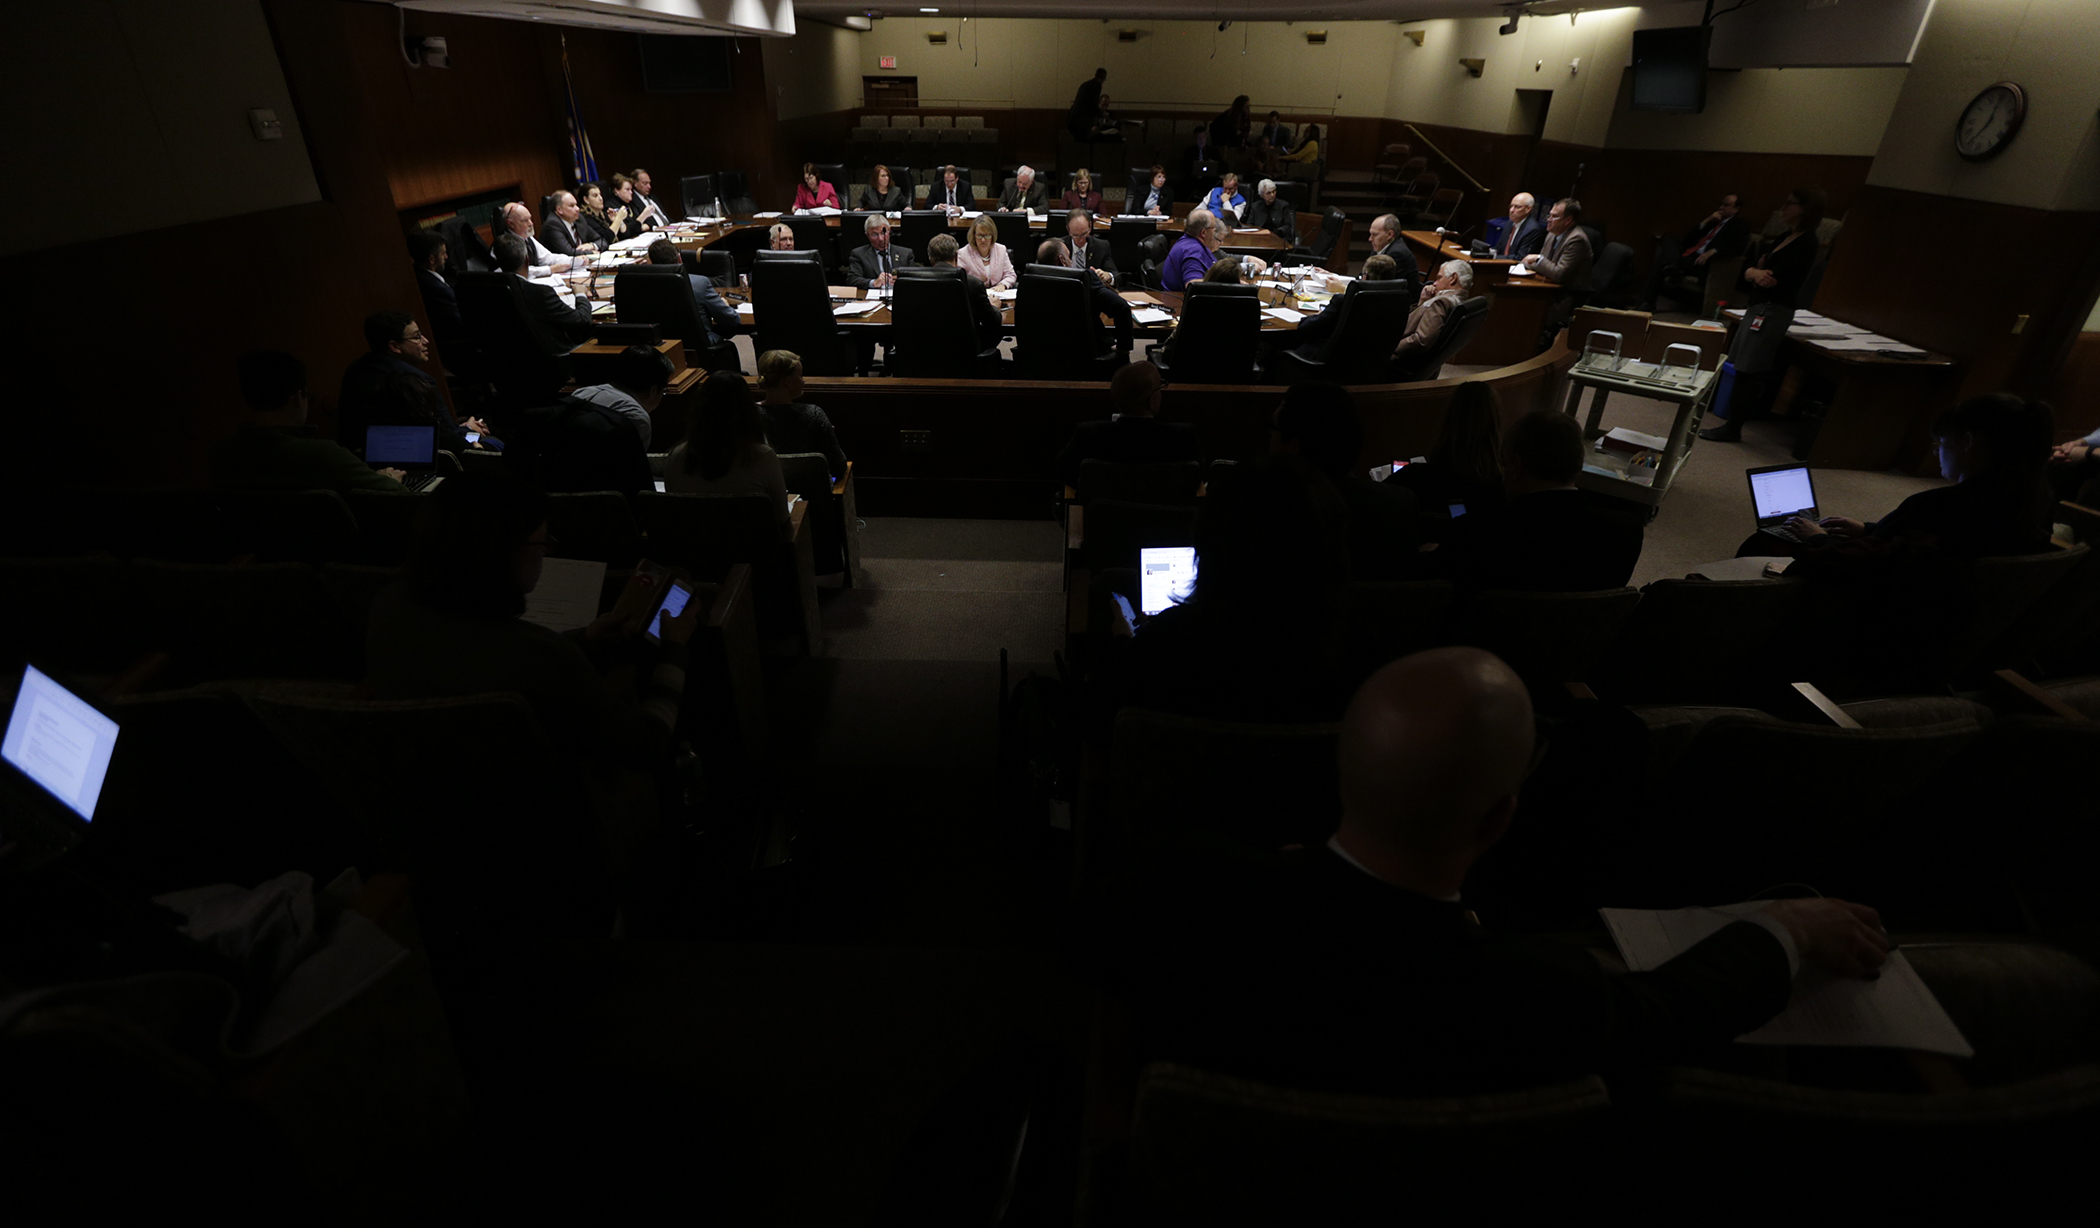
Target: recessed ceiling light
{"type": "Point", "coordinates": [929, 10]}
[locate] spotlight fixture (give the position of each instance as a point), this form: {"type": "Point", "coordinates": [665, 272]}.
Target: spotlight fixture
{"type": "Point", "coordinates": [1224, 25]}
{"type": "Point", "coordinates": [1508, 27]}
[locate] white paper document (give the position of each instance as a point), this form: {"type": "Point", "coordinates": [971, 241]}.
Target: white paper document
{"type": "Point", "coordinates": [1627, 435]}
{"type": "Point", "coordinates": [1518, 270]}
{"type": "Point", "coordinates": [856, 309]}
{"type": "Point", "coordinates": [1820, 332]}
{"type": "Point", "coordinates": [567, 595]}
{"type": "Point", "coordinates": [1283, 313]}
{"type": "Point", "coordinates": [1003, 296]}
{"type": "Point", "coordinates": [774, 213]}
{"type": "Point", "coordinates": [743, 309]}
{"type": "Point", "coordinates": [1895, 1010]}
{"type": "Point", "coordinates": [710, 221]}
{"type": "Point", "coordinates": [1151, 315]}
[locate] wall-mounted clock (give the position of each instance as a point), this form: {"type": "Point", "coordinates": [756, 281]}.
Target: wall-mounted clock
{"type": "Point", "coordinates": [1990, 121]}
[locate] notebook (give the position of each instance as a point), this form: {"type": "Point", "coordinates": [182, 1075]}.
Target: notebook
{"type": "Point", "coordinates": [57, 750]}
{"type": "Point", "coordinates": [410, 448]}
{"type": "Point", "coordinates": [1781, 492]}
{"type": "Point", "coordinates": [1166, 576]}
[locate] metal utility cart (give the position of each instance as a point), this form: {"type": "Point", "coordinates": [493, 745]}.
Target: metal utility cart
{"type": "Point", "coordinates": [1617, 466]}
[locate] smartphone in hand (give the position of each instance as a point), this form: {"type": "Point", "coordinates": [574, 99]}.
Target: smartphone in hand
{"type": "Point", "coordinates": [675, 598]}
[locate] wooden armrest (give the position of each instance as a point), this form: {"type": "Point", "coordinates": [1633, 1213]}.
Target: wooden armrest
{"type": "Point", "coordinates": [135, 678]}
{"type": "Point", "coordinates": [845, 480]}
{"type": "Point", "coordinates": [796, 516]}
{"type": "Point", "coordinates": [2010, 690]}
{"type": "Point", "coordinates": [2084, 521]}
{"type": "Point", "coordinates": [1825, 705]}
{"type": "Point", "coordinates": [1075, 527]}
{"type": "Point", "coordinates": [735, 583]}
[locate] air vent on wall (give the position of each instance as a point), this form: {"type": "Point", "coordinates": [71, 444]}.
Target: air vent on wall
{"type": "Point", "coordinates": [1127, 36]}
{"type": "Point", "coordinates": [1316, 38]}
{"type": "Point", "coordinates": [938, 38]}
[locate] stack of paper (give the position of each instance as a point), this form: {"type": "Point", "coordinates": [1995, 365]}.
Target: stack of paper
{"type": "Point", "coordinates": [1895, 1010]}
{"type": "Point", "coordinates": [1003, 296]}
{"type": "Point", "coordinates": [856, 309]}
{"type": "Point", "coordinates": [1151, 315]}
{"type": "Point", "coordinates": [567, 595]}
{"type": "Point", "coordinates": [774, 213]}
{"type": "Point", "coordinates": [1283, 313]}
{"type": "Point", "coordinates": [743, 309]}
{"type": "Point", "coordinates": [1518, 270]}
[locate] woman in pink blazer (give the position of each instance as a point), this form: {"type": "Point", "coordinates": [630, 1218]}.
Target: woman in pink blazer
{"type": "Point", "coordinates": [986, 257]}
{"type": "Point", "coordinates": [815, 193]}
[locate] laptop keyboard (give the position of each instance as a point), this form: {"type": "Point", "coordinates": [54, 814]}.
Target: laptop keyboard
{"type": "Point", "coordinates": [1783, 533]}
{"type": "Point", "coordinates": [422, 481]}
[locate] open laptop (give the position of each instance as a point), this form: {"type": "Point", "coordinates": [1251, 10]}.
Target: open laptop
{"type": "Point", "coordinates": [1779, 493]}
{"type": "Point", "coordinates": [56, 752]}
{"type": "Point", "coordinates": [409, 448]}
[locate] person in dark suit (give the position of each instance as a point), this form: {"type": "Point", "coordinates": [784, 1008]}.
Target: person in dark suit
{"type": "Point", "coordinates": [952, 193]}
{"type": "Point", "coordinates": [1518, 235]}
{"type": "Point", "coordinates": [566, 323]}
{"type": "Point", "coordinates": [873, 266]}
{"type": "Point", "coordinates": [1564, 259]}
{"type": "Point", "coordinates": [1386, 241]}
{"type": "Point", "coordinates": [1086, 105]}
{"type": "Point", "coordinates": [941, 251]}
{"type": "Point", "coordinates": [1720, 234]}
{"type": "Point", "coordinates": [1266, 212]}
{"type": "Point", "coordinates": [715, 313]}
{"type": "Point", "coordinates": [1229, 130]}
{"type": "Point", "coordinates": [1135, 435]}
{"type": "Point", "coordinates": [562, 230]}
{"type": "Point", "coordinates": [1024, 194]}
{"type": "Point", "coordinates": [1105, 301]}
{"type": "Point", "coordinates": [1355, 965]}
{"type": "Point", "coordinates": [1086, 250]}
{"type": "Point", "coordinates": [1277, 133]}
{"type": "Point", "coordinates": [881, 195]}
{"type": "Point", "coordinates": [428, 251]}
{"type": "Point", "coordinates": [1384, 527]}
{"type": "Point", "coordinates": [1549, 537]}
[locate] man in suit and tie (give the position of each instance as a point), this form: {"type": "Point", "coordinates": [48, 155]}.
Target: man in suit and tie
{"type": "Point", "coordinates": [1278, 133]}
{"type": "Point", "coordinates": [874, 265]}
{"type": "Point", "coordinates": [646, 210]}
{"type": "Point", "coordinates": [1024, 194]}
{"type": "Point", "coordinates": [1386, 241]}
{"type": "Point", "coordinates": [1722, 233]}
{"type": "Point", "coordinates": [1519, 234]}
{"type": "Point", "coordinates": [952, 194]}
{"type": "Point", "coordinates": [1563, 260]}
{"type": "Point", "coordinates": [564, 324]}
{"type": "Point", "coordinates": [1134, 435]}
{"type": "Point", "coordinates": [560, 232]}
{"type": "Point", "coordinates": [1086, 250]}
{"type": "Point", "coordinates": [1356, 966]}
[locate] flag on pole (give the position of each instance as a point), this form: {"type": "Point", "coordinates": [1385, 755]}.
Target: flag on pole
{"type": "Point", "coordinates": [585, 165]}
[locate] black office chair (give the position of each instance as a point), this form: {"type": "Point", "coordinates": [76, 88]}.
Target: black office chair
{"type": "Point", "coordinates": [813, 234]}
{"type": "Point", "coordinates": [792, 311]}
{"type": "Point", "coordinates": [920, 227]}
{"type": "Point", "coordinates": [547, 206]}
{"type": "Point", "coordinates": [1360, 349]}
{"type": "Point", "coordinates": [1462, 325]}
{"type": "Point", "coordinates": [900, 177]}
{"type": "Point", "coordinates": [659, 294]}
{"type": "Point", "coordinates": [1611, 278]}
{"type": "Point", "coordinates": [735, 196]}
{"type": "Point", "coordinates": [464, 250]}
{"type": "Point", "coordinates": [1125, 241]}
{"type": "Point", "coordinates": [718, 267]}
{"type": "Point", "coordinates": [1220, 331]}
{"type": "Point", "coordinates": [834, 173]}
{"type": "Point", "coordinates": [1013, 231]}
{"type": "Point", "coordinates": [1139, 187]}
{"type": "Point", "coordinates": [1324, 239]}
{"type": "Point", "coordinates": [1296, 191]}
{"type": "Point", "coordinates": [1057, 334]}
{"type": "Point", "coordinates": [525, 364]}
{"type": "Point", "coordinates": [698, 193]}
{"type": "Point", "coordinates": [935, 332]}
{"type": "Point", "coordinates": [1152, 252]}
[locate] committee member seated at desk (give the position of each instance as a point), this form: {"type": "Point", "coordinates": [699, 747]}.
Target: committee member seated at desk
{"type": "Point", "coordinates": [646, 208]}
{"type": "Point", "coordinates": [1024, 194]}
{"type": "Point", "coordinates": [1193, 253]}
{"type": "Point", "coordinates": [874, 265]}
{"type": "Point", "coordinates": [1081, 195]}
{"type": "Point", "coordinates": [986, 258]}
{"type": "Point", "coordinates": [566, 322]}
{"type": "Point", "coordinates": [793, 425]}
{"type": "Point", "coordinates": [396, 349]}
{"type": "Point", "coordinates": [1157, 200]}
{"type": "Point", "coordinates": [1266, 212]}
{"type": "Point", "coordinates": [1721, 234]}
{"type": "Point", "coordinates": [1085, 250]}
{"type": "Point", "coordinates": [603, 223]}
{"type": "Point", "coordinates": [780, 237]}
{"type": "Point", "coordinates": [517, 219]}
{"type": "Point", "coordinates": [1775, 279]}
{"type": "Point", "coordinates": [274, 449]}
{"type": "Point", "coordinates": [881, 195]}
{"type": "Point", "coordinates": [624, 198]}
{"type": "Point", "coordinates": [1564, 260]}
{"type": "Point", "coordinates": [716, 315]}
{"type": "Point", "coordinates": [814, 192]}
{"type": "Point", "coordinates": [952, 194]}
{"type": "Point", "coordinates": [563, 231]}
{"type": "Point", "coordinates": [1103, 300]}
{"type": "Point", "coordinates": [725, 451]}
{"type": "Point", "coordinates": [1549, 537]}
{"type": "Point", "coordinates": [1425, 324]}
{"type": "Point", "coordinates": [1133, 434]}
{"type": "Point", "coordinates": [1355, 965]}
{"type": "Point", "coordinates": [1386, 241]}
{"type": "Point", "coordinates": [1225, 201]}
{"type": "Point", "coordinates": [1520, 234]}
{"type": "Point", "coordinates": [942, 250]}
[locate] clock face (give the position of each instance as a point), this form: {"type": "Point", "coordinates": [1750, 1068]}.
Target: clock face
{"type": "Point", "coordinates": [1989, 122]}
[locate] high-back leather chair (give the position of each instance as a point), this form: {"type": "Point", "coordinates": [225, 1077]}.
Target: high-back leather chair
{"type": "Point", "coordinates": [1461, 326]}
{"type": "Point", "coordinates": [813, 234]}
{"type": "Point", "coordinates": [1152, 250]}
{"type": "Point", "coordinates": [526, 364]}
{"type": "Point", "coordinates": [834, 173]}
{"type": "Point", "coordinates": [935, 332]}
{"type": "Point", "coordinates": [1219, 332]}
{"type": "Point", "coordinates": [920, 227]}
{"type": "Point", "coordinates": [659, 294]}
{"type": "Point", "coordinates": [698, 193]}
{"type": "Point", "coordinates": [1013, 231]}
{"type": "Point", "coordinates": [791, 310]}
{"type": "Point", "coordinates": [1359, 351]}
{"type": "Point", "coordinates": [464, 250]}
{"type": "Point", "coordinates": [736, 197]}
{"type": "Point", "coordinates": [1056, 333]}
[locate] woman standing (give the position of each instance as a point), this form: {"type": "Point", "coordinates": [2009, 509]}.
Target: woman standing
{"type": "Point", "coordinates": [986, 256]}
{"type": "Point", "coordinates": [1775, 288]}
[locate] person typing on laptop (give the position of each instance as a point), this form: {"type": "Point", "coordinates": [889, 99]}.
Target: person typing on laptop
{"type": "Point", "coordinates": [274, 449]}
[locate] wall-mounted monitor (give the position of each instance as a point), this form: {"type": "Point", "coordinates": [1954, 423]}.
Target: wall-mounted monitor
{"type": "Point", "coordinates": [1669, 69]}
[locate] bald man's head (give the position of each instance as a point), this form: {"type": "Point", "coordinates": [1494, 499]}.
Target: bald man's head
{"type": "Point", "coordinates": [1433, 751]}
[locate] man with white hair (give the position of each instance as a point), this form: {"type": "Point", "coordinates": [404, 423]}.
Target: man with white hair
{"type": "Point", "coordinates": [781, 238]}
{"type": "Point", "coordinates": [1023, 195]}
{"type": "Point", "coordinates": [1265, 212]}
{"type": "Point", "coordinates": [517, 219]}
{"type": "Point", "coordinates": [1250, 265]}
{"type": "Point", "coordinates": [1190, 257]}
{"type": "Point", "coordinates": [1354, 965]}
{"type": "Point", "coordinates": [874, 266]}
{"type": "Point", "coordinates": [1521, 232]}
{"type": "Point", "coordinates": [1425, 325]}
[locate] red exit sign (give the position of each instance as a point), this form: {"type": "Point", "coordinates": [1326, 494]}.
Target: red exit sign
{"type": "Point", "coordinates": [889, 61]}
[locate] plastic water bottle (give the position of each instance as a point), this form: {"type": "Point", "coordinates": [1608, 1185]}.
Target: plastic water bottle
{"type": "Point", "coordinates": [718, 209]}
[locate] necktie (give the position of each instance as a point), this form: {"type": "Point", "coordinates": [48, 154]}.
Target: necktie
{"type": "Point", "coordinates": [1078, 254]}
{"type": "Point", "coordinates": [1509, 240]}
{"type": "Point", "coordinates": [951, 195]}
{"type": "Point", "coordinates": [882, 262]}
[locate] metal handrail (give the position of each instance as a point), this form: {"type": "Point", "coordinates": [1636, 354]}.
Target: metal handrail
{"type": "Point", "coordinates": [1477, 185]}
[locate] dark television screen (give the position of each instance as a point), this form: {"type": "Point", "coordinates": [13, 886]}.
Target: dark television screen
{"type": "Point", "coordinates": [1669, 69]}
{"type": "Point", "coordinates": [685, 63]}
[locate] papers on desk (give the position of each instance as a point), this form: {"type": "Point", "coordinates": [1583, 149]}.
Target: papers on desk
{"type": "Point", "coordinates": [1004, 296]}
{"type": "Point", "coordinates": [567, 595]}
{"type": "Point", "coordinates": [553, 282]}
{"type": "Point", "coordinates": [604, 308]}
{"type": "Point", "coordinates": [1151, 315]}
{"type": "Point", "coordinates": [772, 213]}
{"type": "Point", "coordinates": [1518, 270]}
{"type": "Point", "coordinates": [633, 243]}
{"type": "Point", "coordinates": [1820, 332]}
{"type": "Point", "coordinates": [710, 221]}
{"type": "Point", "coordinates": [880, 292]}
{"type": "Point", "coordinates": [1895, 1010]}
{"type": "Point", "coordinates": [856, 309]}
{"type": "Point", "coordinates": [819, 211]}
{"type": "Point", "coordinates": [1283, 313]}
{"type": "Point", "coordinates": [972, 213]}
{"type": "Point", "coordinates": [1248, 230]}
{"type": "Point", "coordinates": [1811, 318]}
{"type": "Point", "coordinates": [1720, 324]}
{"type": "Point", "coordinates": [744, 310]}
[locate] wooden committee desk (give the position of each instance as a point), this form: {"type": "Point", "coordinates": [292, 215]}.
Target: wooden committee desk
{"type": "Point", "coordinates": [1517, 307]}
